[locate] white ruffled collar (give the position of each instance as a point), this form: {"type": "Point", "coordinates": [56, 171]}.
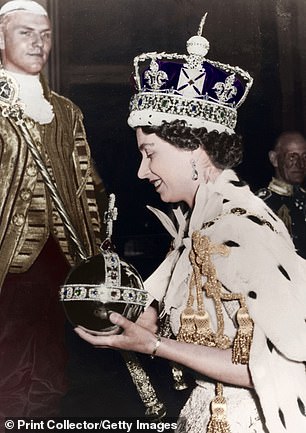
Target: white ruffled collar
{"type": "Point", "coordinates": [32, 96]}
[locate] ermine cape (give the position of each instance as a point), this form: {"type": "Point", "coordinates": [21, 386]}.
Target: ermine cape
{"type": "Point", "coordinates": [264, 267]}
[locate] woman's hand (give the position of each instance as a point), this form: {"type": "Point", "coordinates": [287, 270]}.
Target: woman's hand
{"type": "Point", "coordinates": [135, 337]}
{"type": "Point", "coordinates": [149, 319]}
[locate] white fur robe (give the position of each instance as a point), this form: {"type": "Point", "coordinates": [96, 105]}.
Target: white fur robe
{"type": "Point", "coordinates": [264, 266]}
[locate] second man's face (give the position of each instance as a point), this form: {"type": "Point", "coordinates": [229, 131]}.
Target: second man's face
{"type": "Point", "coordinates": [292, 163]}
{"type": "Point", "coordinates": [26, 42]}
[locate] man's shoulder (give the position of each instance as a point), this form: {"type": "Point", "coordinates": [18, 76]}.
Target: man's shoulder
{"type": "Point", "coordinates": [63, 101]}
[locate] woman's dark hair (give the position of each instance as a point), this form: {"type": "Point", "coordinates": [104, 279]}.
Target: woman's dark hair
{"type": "Point", "coordinates": [224, 150]}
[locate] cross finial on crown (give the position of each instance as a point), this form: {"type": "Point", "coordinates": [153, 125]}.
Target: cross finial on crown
{"type": "Point", "coordinates": [110, 216]}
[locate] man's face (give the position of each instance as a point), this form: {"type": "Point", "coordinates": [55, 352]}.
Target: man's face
{"type": "Point", "coordinates": [290, 162]}
{"type": "Point", "coordinates": [25, 42]}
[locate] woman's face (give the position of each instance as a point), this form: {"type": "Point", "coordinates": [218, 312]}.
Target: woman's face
{"type": "Point", "coordinates": [167, 168]}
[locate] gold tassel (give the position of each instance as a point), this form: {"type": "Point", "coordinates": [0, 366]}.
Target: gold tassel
{"type": "Point", "coordinates": [218, 422]}
{"type": "Point", "coordinates": [243, 339]}
{"type": "Point", "coordinates": [187, 329]}
{"type": "Point", "coordinates": [204, 334]}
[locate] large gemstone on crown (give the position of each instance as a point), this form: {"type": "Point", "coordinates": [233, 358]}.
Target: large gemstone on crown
{"type": "Point", "coordinates": [99, 285]}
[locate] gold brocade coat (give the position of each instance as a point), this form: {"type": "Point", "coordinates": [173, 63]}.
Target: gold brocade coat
{"type": "Point", "coordinates": [63, 144]}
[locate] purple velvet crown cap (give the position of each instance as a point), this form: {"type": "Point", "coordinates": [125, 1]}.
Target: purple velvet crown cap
{"type": "Point", "coordinates": [203, 84]}
{"type": "Point", "coordinates": [203, 92]}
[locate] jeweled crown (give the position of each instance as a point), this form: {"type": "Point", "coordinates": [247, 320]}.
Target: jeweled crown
{"type": "Point", "coordinates": [203, 92]}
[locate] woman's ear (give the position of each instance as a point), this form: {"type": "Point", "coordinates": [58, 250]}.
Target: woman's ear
{"type": "Point", "coordinates": [273, 158]}
{"type": "Point", "coordinates": [206, 169]}
{"type": "Point", "coordinates": [197, 154]}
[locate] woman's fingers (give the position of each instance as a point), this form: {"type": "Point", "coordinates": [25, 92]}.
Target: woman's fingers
{"type": "Point", "coordinates": [133, 336]}
{"type": "Point", "coordinates": [85, 335]}
{"type": "Point", "coordinates": [100, 340]}
{"type": "Point", "coordinates": [119, 320]}
{"type": "Point", "coordinates": [149, 319]}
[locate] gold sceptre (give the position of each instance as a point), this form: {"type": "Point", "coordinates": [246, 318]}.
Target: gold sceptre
{"type": "Point", "coordinates": [155, 409]}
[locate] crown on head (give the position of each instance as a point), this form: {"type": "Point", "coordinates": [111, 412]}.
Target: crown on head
{"type": "Point", "coordinates": [203, 92]}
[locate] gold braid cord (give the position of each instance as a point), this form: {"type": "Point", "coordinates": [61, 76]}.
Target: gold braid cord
{"type": "Point", "coordinates": [195, 321]}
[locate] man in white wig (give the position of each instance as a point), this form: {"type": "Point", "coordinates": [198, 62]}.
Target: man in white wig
{"type": "Point", "coordinates": [35, 250]}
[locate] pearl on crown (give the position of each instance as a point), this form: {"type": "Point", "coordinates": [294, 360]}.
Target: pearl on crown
{"type": "Point", "coordinates": [197, 45]}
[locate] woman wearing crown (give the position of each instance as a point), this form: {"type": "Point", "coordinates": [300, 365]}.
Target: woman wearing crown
{"type": "Point", "coordinates": [232, 288]}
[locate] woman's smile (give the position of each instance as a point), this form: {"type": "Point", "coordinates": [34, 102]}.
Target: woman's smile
{"type": "Point", "coordinates": [167, 168]}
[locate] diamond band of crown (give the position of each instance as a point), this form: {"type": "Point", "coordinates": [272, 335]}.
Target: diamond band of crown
{"type": "Point", "coordinates": [199, 110]}
{"type": "Point", "coordinates": [103, 293]}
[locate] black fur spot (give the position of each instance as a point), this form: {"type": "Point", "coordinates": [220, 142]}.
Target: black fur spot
{"type": "Point", "coordinates": [238, 182]}
{"type": "Point", "coordinates": [225, 288]}
{"type": "Point", "coordinates": [284, 272]}
{"type": "Point", "coordinates": [252, 294]}
{"type": "Point", "coordinates": [272, 216]}
{"type": "Point", "coordinates": [225, 200]}
{"type": "Point", "coordinates": [208, 224]}
{"type": "Point", "coordinates": [255, 219]}
{"type": "Point", "coordinates": [231, 244]}
{"type": "Point", "coordinates": [268, 224]}
{"type": "Point", "coordinates": [281, 417]}
{"type": "Point", "coordinates": [270, 345]}
{"type": "Point", "coordinates": [301, 406]}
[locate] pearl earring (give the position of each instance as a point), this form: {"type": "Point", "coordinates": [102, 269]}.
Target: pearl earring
{"type": "Point", "coordinates": [195, 174]}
